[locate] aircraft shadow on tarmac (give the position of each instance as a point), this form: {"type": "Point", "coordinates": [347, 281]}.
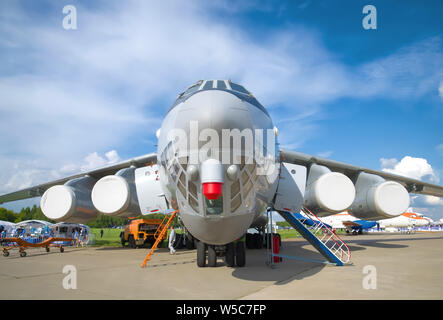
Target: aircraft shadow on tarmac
{"type": "Point", "coordinates": [113, 248]}
{"type": "Point", "coordinates": [381, 243]}
{"type": "Point", "coordinates": [146, 248]}
{"type": "Point", "coordinates": [377, 244]}
{"type": "Point", "coordinates": [289, 270]}
{"type": "Point", "coordinates": [286, 271]}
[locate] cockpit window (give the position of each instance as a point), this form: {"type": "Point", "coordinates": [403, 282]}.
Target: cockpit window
{"type": "Point", "coordinates": [208, 85]}
{"type": "Point", "coordinates": [221, 84]}
{"type": "Point", "coordinates": [239, 88]}
{"type": "Point", "coordinates": [193, 88]}
{"type": "Point", "coordinates": [228, 86]}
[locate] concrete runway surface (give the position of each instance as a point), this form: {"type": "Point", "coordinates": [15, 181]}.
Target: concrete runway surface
{"type": "Point", "coordinates": [407, 266]}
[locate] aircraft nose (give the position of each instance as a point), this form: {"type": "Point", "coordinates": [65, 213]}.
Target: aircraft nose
{"type": "Point", "coordinates": [214, 110]}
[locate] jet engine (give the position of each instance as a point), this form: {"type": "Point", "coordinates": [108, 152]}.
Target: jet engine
{"type": "Point", "coordinates": [70, 202]}
{"type": "Point", "coordinates": [378, 199]}
{"type": "Point", "coordinates": [115, 195]}
{"type": "Point", "coordinates": [327, 192]}
{"type": "Point", "coordinates": [129, 193]}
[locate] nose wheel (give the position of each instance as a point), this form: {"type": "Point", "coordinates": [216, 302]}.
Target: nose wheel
{"type": "Point", "coordinates": [230, 254]}
{"type": "Point", "coordinates": [240, 254]}
{"type": "Point", "coordinates": [201, 254]}
{"type": "Point", "coordinates": [234, 254]}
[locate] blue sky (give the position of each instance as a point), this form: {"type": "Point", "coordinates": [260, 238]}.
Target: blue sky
{"type": "Point", "coordinates": [76, 99]}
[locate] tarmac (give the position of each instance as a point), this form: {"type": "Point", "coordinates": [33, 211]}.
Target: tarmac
{"type": "Point", "coordinates": [384, 266]}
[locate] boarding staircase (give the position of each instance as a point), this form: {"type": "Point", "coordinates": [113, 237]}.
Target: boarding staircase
{"type": "Point", "coordinates": [159, 235]}
{"type": "Point", "coordinates": [320, 236]}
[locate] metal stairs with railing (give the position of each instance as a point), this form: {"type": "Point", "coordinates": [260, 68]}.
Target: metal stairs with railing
{"type": "Point", "coordinates": [320, 236]}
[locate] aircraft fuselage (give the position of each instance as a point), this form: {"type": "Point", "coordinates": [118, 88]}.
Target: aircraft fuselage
{"type": "Point", "coordinates": [225, 139]}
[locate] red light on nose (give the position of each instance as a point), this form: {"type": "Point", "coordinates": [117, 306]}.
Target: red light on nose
{"type": "Point", "coordinates": [212, 190]}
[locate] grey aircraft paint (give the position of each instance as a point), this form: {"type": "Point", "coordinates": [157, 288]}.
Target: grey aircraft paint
{"type": "Point", "coordinates": [246, 197]}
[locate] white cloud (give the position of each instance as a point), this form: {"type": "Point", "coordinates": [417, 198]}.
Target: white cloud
{"type": "Point", "coordinates": [428, 205]}
{"type": "Point", "coordinates": [416, 168]}
{"type": "Point", "coordinates": [388, 163]}
{"type": "Point", "coordinates": [30, 173]}
{"type": "Point", "coordinates": [69, 168]}
{"type": "Point", "coordinates": [112, 156]}
{"type": "Point", "coordinates": [411, 72]}
{"type": "Point", "coordinates": [94, 160]}
{"type": "Point", "coordinates": [434, 201]}
{"type": "Point", "coordinates": [440, 90]}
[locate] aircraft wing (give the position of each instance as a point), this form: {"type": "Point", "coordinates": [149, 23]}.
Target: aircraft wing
{"type": "Point", "coordinates": [37, 191]}
{"type": "Point", "coordinates": [412, 185]}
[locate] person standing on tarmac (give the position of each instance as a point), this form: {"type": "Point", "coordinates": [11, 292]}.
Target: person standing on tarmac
{"type": "Point", "coordinates": [171, 241]}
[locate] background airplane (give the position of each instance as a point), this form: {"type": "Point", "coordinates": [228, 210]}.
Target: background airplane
{"type": "Point", "coordinates": [344, 220]}
{"type": "Point", "coordinates": [407, 219]}
{"type": "Point", "coordinates": [221, 191]}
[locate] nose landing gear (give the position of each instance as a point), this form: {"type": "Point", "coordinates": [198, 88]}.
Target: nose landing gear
{"type": "Point", "coordinates": [234, 253]}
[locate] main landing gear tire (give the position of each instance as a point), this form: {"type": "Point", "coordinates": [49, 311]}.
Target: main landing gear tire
{"type": "Point", "coordinates": [132, 242]}
{"type": "Point", "coordinates": [212, 257]}
{"type": "Point", "coordinates": [258, 241]}
{"type": "Point", "coordinates": [122, 239]}
{"type": "Point", "coordinates": [190, 242]}
{"type": "Point", "coordinates": [201, 254]}
{"type": "Point", "coordinates": [240, 254]}
{"type": "Point", "coordinates": [230, 254]}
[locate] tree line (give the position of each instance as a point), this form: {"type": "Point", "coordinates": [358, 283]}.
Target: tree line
{"type": "Point", "coordinates": [102, 221]}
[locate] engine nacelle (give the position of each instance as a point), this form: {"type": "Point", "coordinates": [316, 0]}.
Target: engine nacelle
{"type": "Point", "coordinates": [116, 195]}
{"type": "Point", "coordinates": [328, 192]}
{"type": "Point", "coordinates": [129, 193]}
{"type": "Point", "coordinates": [378, 199]}
{"type": "Point", "coordinates": [70, 202]}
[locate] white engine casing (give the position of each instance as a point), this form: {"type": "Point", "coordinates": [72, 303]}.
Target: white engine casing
{"type": "Point", "coordinates": [70, 202]}
{"type": "Point", "coordinates": [378, 199]}
{"type": "Point", "coordinates": [328, 192]}
{"type": "Point", "coordinates": [115, 195]}
{"type": "Point", "coordinates": [129, 193]}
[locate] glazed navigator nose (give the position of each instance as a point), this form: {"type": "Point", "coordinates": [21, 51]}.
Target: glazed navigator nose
{"type": "Point", "coordinates": [212, 179]}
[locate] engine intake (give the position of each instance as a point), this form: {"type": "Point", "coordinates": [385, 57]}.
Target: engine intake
{"type": "Point", "coordinates": [328, 192]}
{"type": "Point", "coordinates": [130, 193]}
{"type": "Point", "coordinates": [116, 195]}
{"type": "Point", "coordinates": [378, 199]}
{"type": "Point", "coordinates": [70, 202]}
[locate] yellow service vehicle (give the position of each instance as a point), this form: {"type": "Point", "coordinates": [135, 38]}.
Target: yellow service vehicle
{"type": "Point", "coordinates": [141, 231]}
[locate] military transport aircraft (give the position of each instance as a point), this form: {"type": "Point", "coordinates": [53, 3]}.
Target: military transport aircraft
{"type": "Point", "coordinates": [219, 164]}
